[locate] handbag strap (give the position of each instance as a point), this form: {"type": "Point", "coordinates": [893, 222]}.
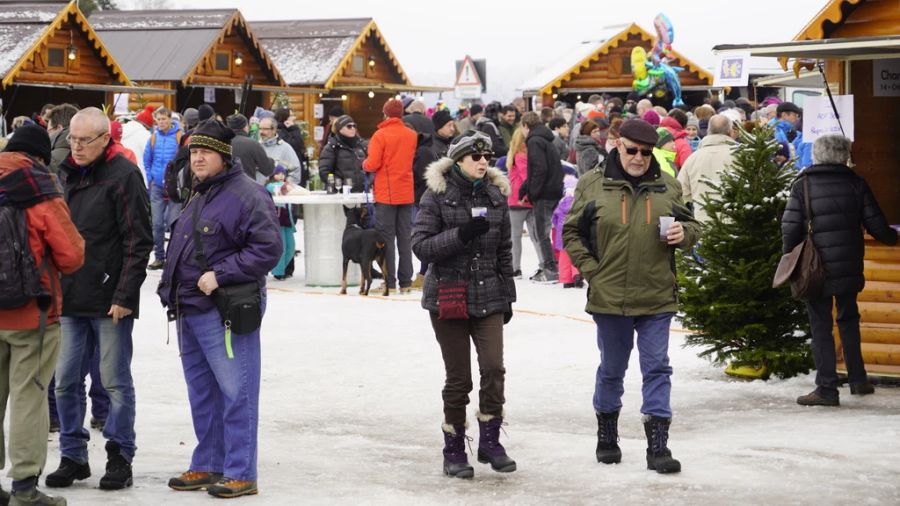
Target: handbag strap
{"type": "Point", "coordinates": [199, 255]}
{"type": "Point", "coordinates": [809, 226]}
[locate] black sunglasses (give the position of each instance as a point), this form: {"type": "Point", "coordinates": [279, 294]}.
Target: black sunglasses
{"type": "Point", "coordinates": [476, 157]}
{"type": "Point", "coordinates": [633, 150]}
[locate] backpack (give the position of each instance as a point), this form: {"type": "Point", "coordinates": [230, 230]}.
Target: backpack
{"type": "Point", "coordinates": [20, 280]}
{"type": "Point", "coordinates": [177, 176]}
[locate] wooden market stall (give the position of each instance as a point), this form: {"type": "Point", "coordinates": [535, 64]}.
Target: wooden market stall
{"type": "Point", "coordinates": [347, 60]}
{"type": "Point", "coordinates": [196, 55]}
{"type": "Point", "coordinates": [49, 53]}
{"type": "Point", "coordinates": [603, 65]}
{"type": "Point", "coordinates": [859, 41]}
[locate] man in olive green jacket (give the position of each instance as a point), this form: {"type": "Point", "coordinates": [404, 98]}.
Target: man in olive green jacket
{"type": "Point", "coordinates": [612, 234]}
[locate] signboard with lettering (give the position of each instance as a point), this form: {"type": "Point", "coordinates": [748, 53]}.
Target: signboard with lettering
{"type": "Point", "coordinates": [318, 111]}
{"type": "Point", "coordinates": [819, 118]}
{"type": "Point", "coordinates": [886, 78]}
{"type": "Point", "coordinates": [470, 78]}
{"type": "Point", "coordinates": [209, 95]}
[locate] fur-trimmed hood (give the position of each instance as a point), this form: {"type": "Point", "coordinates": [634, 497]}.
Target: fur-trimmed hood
{"type": "Point", "coordinates": [436, 176]}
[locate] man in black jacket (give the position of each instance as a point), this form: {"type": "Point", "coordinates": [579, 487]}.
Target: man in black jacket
{"type": "Point", "coordinates": [291, 134]}
{"type": "Point", "coordinates": [444, 130]}
{"type": "Point", "coordinates": [543, 188]}
{"type": "Point", "coordinates": [253, 157]}
{"type": "Point", "coordinates": [110, 207]}
{"type": "Point", "coordinates": [415, 118]}
{"type": "Point", "coordinates": [840, 203]}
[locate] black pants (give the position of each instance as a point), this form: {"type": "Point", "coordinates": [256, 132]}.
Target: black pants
{"type": "Point", "coordinates": [821, 324]}
{"type": "Point", "coordinates": [454, 338]}
{"type": "Point", "coordinates": [543, 225]}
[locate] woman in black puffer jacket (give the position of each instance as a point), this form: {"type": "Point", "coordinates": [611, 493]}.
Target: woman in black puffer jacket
{"type": "Point", "coordinates": [343, 154]}
{"type": "Point", "coordinates": [841, 203]}
{"type": "Point", "coordinates": [462, 231]}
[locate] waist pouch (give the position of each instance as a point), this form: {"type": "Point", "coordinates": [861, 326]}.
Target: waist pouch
{"type": "Point", "coordinates": [239, 307]}
{"type": "Point", "coordinates": [452, 300]}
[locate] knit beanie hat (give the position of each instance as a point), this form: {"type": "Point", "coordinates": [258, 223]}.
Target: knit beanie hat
{"type": "Point", "coordinates": [693, 121]}
{"type": "Point", "coordinates": [665, 136]}
{"type": "Point", "coordinates": [146, 116]}
{"type": "Point", "coordinates": [341, 122]}
{"type": "Point", "coordinates": [212, 134]}
{"type": "Point", "coordinates": [469, 143]}
{"type": "Point", "coordinates": [651, 117]}
{"type": "Point", "coordinates": [393, 108]}
{"type": "Point", "coordinates": [205, 111]}
{"type": "Point", "coordinates": [475, 109]}
{"type": "Point", "coordinates": [32, 140]}
{"type": "Point", "coordinates": [441, 118]}
{"type": "Point", "coordinates": [115, 131]}
{"type": "Point", "coordinates": [236, 121]}
{"type": "Point", "coordinates": [191, 117]}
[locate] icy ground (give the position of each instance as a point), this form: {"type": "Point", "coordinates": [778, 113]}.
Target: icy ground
{"type": "Point", "coordinates": [351, 413]}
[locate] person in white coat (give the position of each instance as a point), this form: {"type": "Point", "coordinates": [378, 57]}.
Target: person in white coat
{"type": "Point", "coordinates": [135, 136]}
{"type": "Point", "coordinates": [707, 163]}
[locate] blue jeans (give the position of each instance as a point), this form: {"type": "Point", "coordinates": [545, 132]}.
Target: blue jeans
{"type": "Point", "coordinates": [99, 398]}
{"type": "Point", "coordinates": [162, 213]}
{"type": "Point", "coordinates": [615, 338]}
{"type": "Point", "coordinates": [224, 395]}
{"type": "Point", "coordinates": [115, 374]}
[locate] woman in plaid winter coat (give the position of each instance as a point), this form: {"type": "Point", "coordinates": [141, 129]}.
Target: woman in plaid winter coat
{"type": "Point", "coordinates": [462, 231]}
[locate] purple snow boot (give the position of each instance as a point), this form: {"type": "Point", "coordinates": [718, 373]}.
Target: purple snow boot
{"type": "Point", "coordinates": [490, 451]}
{"type": "Point", "coordinates": [456, 463]}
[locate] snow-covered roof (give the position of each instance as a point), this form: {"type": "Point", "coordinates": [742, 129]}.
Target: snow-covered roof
{"type": "Point", "coordinates": [21, 25]}
{"type": "Point", "coordinates": [161, 19]}
{"type": "Point", "coordinates": [562, 66]}
{"type": "Point", "coordinates": [308, 52]}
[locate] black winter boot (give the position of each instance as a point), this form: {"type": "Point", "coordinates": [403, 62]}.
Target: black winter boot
{"type": "Point", "coordinates": [659, 457]}
{"type": "Point", "coordinates": [118, 470]}
{"type": "Point", "coordinates": [490, 451]}
{"type": "Point", "coordinates": [455, 461]}
{"type": "Point", "coordinates": [608, 451]}
{"type": "Point", "coordinates": [67, 473]}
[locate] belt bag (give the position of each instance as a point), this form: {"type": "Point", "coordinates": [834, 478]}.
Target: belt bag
{"type": "Point", "coordinates": [239, 307]}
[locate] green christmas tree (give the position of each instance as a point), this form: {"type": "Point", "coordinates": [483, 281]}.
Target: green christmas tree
{"type": "Point", "coordinates": [729, 305]}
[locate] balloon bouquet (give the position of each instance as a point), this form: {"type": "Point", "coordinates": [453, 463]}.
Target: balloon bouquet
{"type": "Point", "coordinates": [654, 75]}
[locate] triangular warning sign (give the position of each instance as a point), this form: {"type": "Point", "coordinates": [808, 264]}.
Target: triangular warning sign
{"type": "Point", "coordinates": [468, 75]}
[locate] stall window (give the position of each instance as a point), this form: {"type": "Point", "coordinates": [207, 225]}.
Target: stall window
{"type": "Point", "coordinates": [358, 66]}
{"type": "Point", "coordinates": [56, 58]}
{"type": "Point", "coordinates": [223, 62]}
{"type": "Point", "coordinates": [626, 65]}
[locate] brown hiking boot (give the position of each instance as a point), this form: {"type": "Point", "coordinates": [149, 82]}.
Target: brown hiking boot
{"type": "Point", "coordinates": [418, 283]}
{"type": "Point", "coordinates": [864, 388]}
{"type": "Point", "coordinates": [815, 399]}
{"type": "Point", "coordinates": [194, 480]}
{"type": "Point", "coordinates": [227, 488]}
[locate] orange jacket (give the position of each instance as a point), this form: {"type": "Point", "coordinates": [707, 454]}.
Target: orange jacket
{"type": "Point", "coordinates": [391, 153]}
{"type": "Point", "coordinates": [49, 224]}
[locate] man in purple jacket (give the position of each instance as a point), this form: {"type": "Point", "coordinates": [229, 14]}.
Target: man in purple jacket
{"type": "Point", "coordinates": [237, 225]}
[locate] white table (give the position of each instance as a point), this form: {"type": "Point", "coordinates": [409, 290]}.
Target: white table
{"type": "Point", "coordinates": [323, 228]}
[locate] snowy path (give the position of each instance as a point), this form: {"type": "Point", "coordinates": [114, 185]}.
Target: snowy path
{"type": "Point", "coordinates": [351, 412]}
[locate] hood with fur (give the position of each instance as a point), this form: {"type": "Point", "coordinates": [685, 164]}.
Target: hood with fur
{"type": "Point", "coordinates": [436, 176]}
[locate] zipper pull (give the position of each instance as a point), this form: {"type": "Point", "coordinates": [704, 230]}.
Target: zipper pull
{"type": "Point", "coordinates": [228, 350]}
{"type": "Point", "coordinates": [624, 218]}
{"type": "Point", "coordinates": [647, 200]}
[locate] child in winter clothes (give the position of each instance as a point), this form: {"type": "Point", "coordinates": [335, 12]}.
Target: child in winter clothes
{"type": "Point", "coordinates": [693, 133]}
{"type": "Point", "coordinates": [664, 152]}
{"type": "Point", "coordinates": [568, 274]}
{"type": "Point", "coordinates": [277, 185]}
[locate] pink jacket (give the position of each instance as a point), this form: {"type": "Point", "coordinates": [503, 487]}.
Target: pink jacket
{"type": "Point", "coordinates": [517, 175]}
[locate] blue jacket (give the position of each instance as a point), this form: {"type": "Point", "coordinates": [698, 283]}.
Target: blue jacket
{"type": "Point", "coordinates": [802, 150]}
{"type": "Point", "coordinates": [241, 239]}
{"type": "Point", "coordinates": [158, 153]}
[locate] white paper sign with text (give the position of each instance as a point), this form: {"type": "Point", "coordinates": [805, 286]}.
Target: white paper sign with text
{"type": "Point", "coordinates": [819, 118]}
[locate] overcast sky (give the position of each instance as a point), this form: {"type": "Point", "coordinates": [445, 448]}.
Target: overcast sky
{"type": "Point", "coordinates": [427, 36]}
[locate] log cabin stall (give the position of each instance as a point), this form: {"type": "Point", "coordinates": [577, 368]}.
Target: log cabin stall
{"type": "Point", "coordinates": [196, 56]}
{"type": "Point", "coordinates": [603, 65]}
{"type": "Point", "coordinates": [347, 60]}
{"type": "Point", "coordinates": [50, 54]}
{"type": "Point", "coordinates": [859, 43]}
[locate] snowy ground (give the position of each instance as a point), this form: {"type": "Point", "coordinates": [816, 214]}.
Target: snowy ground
{"type": "Point", "coordinates": [351, 413]}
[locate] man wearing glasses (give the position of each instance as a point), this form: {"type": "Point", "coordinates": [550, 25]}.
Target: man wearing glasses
{"type": "Point", "coordinates": [279, 151]}
{"type": "Point", "coordinates": [110, 207]}
{"type": "Point", "coordinates": [621, 233]}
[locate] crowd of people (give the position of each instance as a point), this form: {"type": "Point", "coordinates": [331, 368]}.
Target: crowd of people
{"type": "Point", "coordinates": [607, 189]}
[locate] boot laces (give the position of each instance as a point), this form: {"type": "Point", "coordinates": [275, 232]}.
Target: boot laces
{"type": "Point", "coordinates": [607, 429]}
{"type": "Point", "coordinates": [469, 440]}
{"type": "Point", "coordinates": [660, 437]}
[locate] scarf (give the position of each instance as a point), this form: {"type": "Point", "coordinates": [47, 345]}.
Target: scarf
{"type": "Point", "coordinates": [28, 186]}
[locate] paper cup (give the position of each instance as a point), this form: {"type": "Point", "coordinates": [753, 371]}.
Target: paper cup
{"type": "Point", "coordinates": [665, 222]}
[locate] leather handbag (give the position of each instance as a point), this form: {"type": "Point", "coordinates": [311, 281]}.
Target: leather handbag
{"type": "Point", "coordinates": [803, 265]}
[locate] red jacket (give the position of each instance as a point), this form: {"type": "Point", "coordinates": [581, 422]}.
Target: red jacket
{"type": "Point", "coordinates": [49, 224]}
{"type": "Point", "coordinates": [682, 146]}
{"type": "Point", "coordinates": [391, 153]}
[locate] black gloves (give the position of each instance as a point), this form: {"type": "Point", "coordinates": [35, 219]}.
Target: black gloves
{"type": "Point", "coordinates": [474, 228]}
{"type": "Point", "coordinates": [507, 316]}
{"type": "Point", "coordinates": [523, 190]}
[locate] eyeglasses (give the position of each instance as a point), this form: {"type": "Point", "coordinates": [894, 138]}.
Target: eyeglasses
{"type": "Point", "coordinates": [267, 128]}
{"type": "Point", "coordinates": [478, 156]}
{"type": "Point", "coordinates": [633, 150]}
{"type": "Point", "coordinates": [78, 141]}
{"type": "Point", "coordinates": [351, 125]}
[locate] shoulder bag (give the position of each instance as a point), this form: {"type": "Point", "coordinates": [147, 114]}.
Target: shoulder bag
{"type": "Point", "coordinates": [803, 265]}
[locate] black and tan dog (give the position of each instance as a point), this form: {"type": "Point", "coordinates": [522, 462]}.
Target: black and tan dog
{"type": "Point", "coordinates": [363, 247]}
